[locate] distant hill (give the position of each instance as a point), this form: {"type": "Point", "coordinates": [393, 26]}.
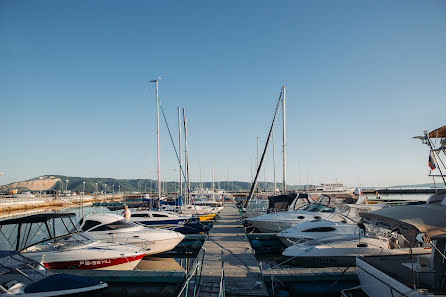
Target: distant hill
{"type": "Point", "coordinates": [75, 184]}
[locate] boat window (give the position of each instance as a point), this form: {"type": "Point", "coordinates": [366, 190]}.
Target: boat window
{"type": "Point", "coordinates": [113, 226]}
{"type": "Point", "coordinates": [349, 201]}
{"type": "Point", "coordinates": [140, 215]}
{"type": "Point", "coordinates": [300, 202]}
{"type": "Point", "coordinates": [315, 207]}
{"type": "Point", "coordinates": [90, 224]}
{"type": "Point", "coordinates": [324, 200]}
{"type": "Point", "coordinates": [320, 229]}
{"type": "Point", "coordinates": [157, 215]}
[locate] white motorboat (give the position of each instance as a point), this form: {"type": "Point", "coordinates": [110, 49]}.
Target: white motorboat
{"type": "Point", "coordinates": [185, 224]}
{"type": "Point", "coordinates": [342, 250]}
{"type": "Point", "coordinates": [315, 230]}
{"type": "Point", "coordinates": [323, 208]}
{"type": "Point", "coordinates": [61, 246]}
{"type": "Point", "coordinates": [109, 227]}
{"type": "Point", "coordinates": [22, 276]}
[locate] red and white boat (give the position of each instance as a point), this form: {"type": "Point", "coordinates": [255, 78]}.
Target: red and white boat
{"type": "Point", "coordinates": [62, 246]}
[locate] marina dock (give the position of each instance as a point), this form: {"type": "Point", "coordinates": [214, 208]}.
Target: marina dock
{"type": "Point", "coordinates": [242, 275]}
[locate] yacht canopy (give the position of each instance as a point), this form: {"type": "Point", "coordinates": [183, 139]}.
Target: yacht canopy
{"type": "Point", "coordinates": [36, 218]}
{"type": "Point", "coordinates": [428, 219]}
{"type": "Point", "coordinates": [281, 201]}
{"type": "Point", "coordinates": [438, 133]}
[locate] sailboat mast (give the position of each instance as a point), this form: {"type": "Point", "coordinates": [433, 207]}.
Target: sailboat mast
{"type": "Point", "coordinates": [264, 151]}
{"type": "Point", "coordinates": [158, 137]}
{"type": "Point", "coordinates": [284, 139]}
{"type": "Point", "coordinates": [179, 148]}
{"type": "Point", "coordinates": [213, 183]}
{"type": "Point", "coordinates": [186, 155]}
{"type": "Point", "coordinates": [257, 162]}
{"type": "Point", "coordinates": [274, 162]}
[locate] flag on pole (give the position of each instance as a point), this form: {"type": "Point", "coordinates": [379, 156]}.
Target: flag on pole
{"type": "Point", "coordinates": [432, 164]}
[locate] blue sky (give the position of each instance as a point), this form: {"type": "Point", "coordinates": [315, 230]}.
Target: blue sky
{"type": "Point", "coordinates": [362, 78]}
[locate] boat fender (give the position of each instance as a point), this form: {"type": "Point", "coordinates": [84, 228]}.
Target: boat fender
{"type": "Point", "coordinates": [255, 244]}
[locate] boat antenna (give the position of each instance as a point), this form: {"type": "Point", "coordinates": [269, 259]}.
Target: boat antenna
{"type": "Point", "coordinates": [254, 183]}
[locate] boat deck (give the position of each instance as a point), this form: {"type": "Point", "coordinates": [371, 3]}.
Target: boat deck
{"type": "Point", "coordinates": [242, 275]}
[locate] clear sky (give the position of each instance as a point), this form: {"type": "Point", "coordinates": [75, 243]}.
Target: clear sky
{"type": "Point", "coordinates": [362, 78]}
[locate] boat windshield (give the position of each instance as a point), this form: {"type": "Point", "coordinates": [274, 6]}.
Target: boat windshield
{"type": "Point", "coordinates": [121, 224]}
{"type": "Point", "coordinates": [33, 232]}
{"type": "Point", "coordinates": [316, 207]}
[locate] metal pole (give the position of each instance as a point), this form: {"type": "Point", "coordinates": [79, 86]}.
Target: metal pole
{"type": "Point", "coordinates": [179, 148]}
{"type": "Point", "coordinates": [284, 139]}
{"type": "Point", "coordinates": [83, 193]}
{"type": "Point", "coordinates": [186, 156]}
{"type": "Point", "coordinates": [274, 161]}
{"type": "Point", "coordinates": [158, 136]}
{"type": "Point", "coordinates": [264, 151]}
{"type": "Point", "coordinates": [257, 162]}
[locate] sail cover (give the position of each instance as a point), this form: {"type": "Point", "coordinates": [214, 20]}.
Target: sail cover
{"type": "Point", "coordinates": [428, 219]}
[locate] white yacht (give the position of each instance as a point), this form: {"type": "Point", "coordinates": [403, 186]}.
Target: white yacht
{"type": "Point", "coordinates": [183, 223]}
{"type": "Point", "coordinates": [315, 230]}
{"type": "Point", "coordinates": [323, 208]}
{"type": "Point", "coordinates": [342, 250]}
{"type": "Point", "coordinates": [110, 227]}
{"type": "Point", "coordinates": [62, 246]}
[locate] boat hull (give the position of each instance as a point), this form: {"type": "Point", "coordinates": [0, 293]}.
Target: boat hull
{"type": "Point", "coordinates": [124, 263]}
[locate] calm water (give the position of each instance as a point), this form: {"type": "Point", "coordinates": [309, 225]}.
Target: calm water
{"type": "Point", "coordinates": [416, 197]}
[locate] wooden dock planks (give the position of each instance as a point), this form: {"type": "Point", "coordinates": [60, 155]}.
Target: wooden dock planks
{"type": "Point", "coordinates": [242, 272]}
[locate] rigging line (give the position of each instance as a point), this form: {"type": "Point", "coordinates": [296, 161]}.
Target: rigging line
{"type": "Point", "coordinates": [143, 96]}
{"type": "Point", "coordinates": [174, 147]}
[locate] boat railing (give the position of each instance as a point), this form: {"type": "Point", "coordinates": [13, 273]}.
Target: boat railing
{"type": "Point", "coordinates": [192, 281]}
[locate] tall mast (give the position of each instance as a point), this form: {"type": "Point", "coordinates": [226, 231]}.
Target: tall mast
{"type": "Point", "coordinates": [257, 162]}
{"type": "Point", "coordinates": [264, 151]}
{"type": "Point", "coordinates": [284, 139]}
{"type": "Point", "coordinates": [158, 137]}
{"type": "Point", "coordinates": [274, 161]}
{"type": "Point", "coordinates": [213, 183]}
{"type": "Point", "coordinates": [179, 148]}
{"type": "Point", "coordinates": [186, 155]}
